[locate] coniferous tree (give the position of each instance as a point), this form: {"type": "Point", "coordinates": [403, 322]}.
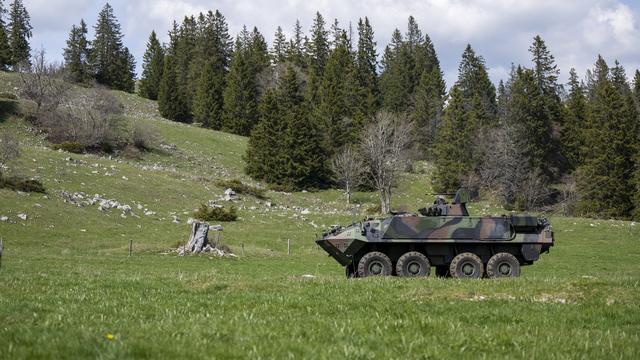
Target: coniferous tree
{"type": "Point", "coordinates": [366, 68]}
{"type": "Point", "coordinates": [126, 66]}
{"type": "Point", "coordinates": [395, 80]}
{"type": "Point", "coordinates": [429, 104]}
{"type": "Point", "coordinates": [214, 53]}
{"type": "Point", "coordinates": [528, 116]}
{"type": "Point", "coordinates": [337, 90]}
{"type": "Point", "coordinates": [171, 101]}
{"type": "Point", "coordinates": [19, 34]}
{"type": "Point", "coordinates": [110, 60]}
{"type": "Point", "coordinates": [317, 52]}
{"type": "Point", "coordinates": [77, 54]}
{"type": "Point", "coordinates": [184, 57]}
{"type": "Point", "coordinates": [574, 121]}
{"type": "Point", "coordinates": [279, 49]}
{"type": "Point", "coordinates": [295, 52]}
{"type": "Point", "coordinates": [152, 67]}
{"type": "Point", "coordinates": [453, 145]}
{"type": "Point", "coordinates": [405, 61]}
{"type": "Point", "coordinates": [208, 102]}
{"type": "Point", "coordinates": [5, 49]}
{"type": "Point", "coordinates": [265, 156]}
{"type": "Point", "coordinates": [241, 94]}
{"type": "Point", "coordinates": [604, 178]}
{"type": "Point", "coordinates": [286, 146]}
{"type": "Point", "coordinates": [473, 80]}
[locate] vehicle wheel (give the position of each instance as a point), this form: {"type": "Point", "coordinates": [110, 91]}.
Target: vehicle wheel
{"type": "Point", "coordinates": [503, 265]}
{"type": "Point", "coordinates": [374, 264]}
{"type": "Point", "coordinates": [413, 264]}
{"type": "Point", "coordinates": [466, 266]}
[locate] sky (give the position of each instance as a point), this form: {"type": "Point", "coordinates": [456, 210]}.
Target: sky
{"type": "Point", "coordinates": [575, 31]}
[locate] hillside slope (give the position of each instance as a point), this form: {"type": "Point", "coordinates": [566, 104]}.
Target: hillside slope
{"type": "Point", "coordinates": [69, 290]}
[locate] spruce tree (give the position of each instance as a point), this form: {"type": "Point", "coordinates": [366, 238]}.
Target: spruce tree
{"type": "Point", "coordinates": [528, 115]}
{"type": "Point", "coordinates": [429, 104]}
{"type": "Point", "coordinates": [571, 133]}
{"type": "Point", "coordinates": [473, 80]}
{"type": "Point", "coordinates": [241, 94]}
{"type": "Point", "coordinates": [318, 46]}
{"type": "Point", "coordinates": [604, 179]}
{"type": "Point", "coordinates": [338, 89]}
{"type": "Point", "coordinates": [265, 156]}
{"type": "Point", "coordinates": [19, 34]}
{"type": "Point", "coordinates": [213, 52]}
{"type": "Point", "coordinates": [279, 49]}
{"type": "Point", "coordinates": [286, 146]}
{"type": "Point", "coordinates": [171, 101]}
{"type": "Point", "coordinates": [77, 54]}
{"type": "Point", "coordinates": [454, 145]}
{"type": "Point", "coordinates": [111, 62]}
{"type": "Point", "coordinates": [208, 102]}
{"type": "Point", "coordinates": [295, 52]}
{"type": "Point", "coordinates": [366, 68]}
{"type": "Point", "coordinates": [152, 67]}
{"type": "Point", "coordinates": [5, 49]}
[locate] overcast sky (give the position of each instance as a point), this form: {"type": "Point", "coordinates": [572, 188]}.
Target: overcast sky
{"type": "Point", "coordinates": [576, 31]}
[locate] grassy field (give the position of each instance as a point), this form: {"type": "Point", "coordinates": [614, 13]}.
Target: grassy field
{"type": "Point", "coordinates": [68, 288]}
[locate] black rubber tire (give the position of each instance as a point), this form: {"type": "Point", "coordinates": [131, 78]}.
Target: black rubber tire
{"type": "Point", "coordinates": [406, 265]}
{"type": "Point", "coordinates": [503, 265]}
{"type": "Point", "coordinates": [466, 266]}
{"type": "Point", "coordinates": [374, 263]}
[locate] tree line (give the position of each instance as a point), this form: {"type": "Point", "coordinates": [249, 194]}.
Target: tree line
{"type": "Point", "coordinates": [303, 101]}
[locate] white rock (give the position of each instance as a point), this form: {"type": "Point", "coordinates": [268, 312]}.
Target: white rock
{"type": "Point", "coordinates": [149, 213]}
{"type": "Point", "coordinates": [124, 178]}
{"type": "Point", "coordinates": [190, 221]}
{"type": "Point", "coordinates": [308, 276]}
{"type": "Point", "coordinates": [4, 218]}
{"type": "Point", "coordinates": [304, 211]}
{"type": "Point", "coordinates": [22, 216]}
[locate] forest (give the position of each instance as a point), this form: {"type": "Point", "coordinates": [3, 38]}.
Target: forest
{"type": "Point", "coordinates": [324, 109]}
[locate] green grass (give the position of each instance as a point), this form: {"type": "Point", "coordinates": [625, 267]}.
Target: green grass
{"type": "Point", "coordinates": [66, 281]}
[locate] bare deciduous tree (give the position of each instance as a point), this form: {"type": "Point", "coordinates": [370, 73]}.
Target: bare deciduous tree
{"type": "Point", "coordinates": [43, 83]}
{"type": "Point", "coordinates": [348, 169]}
{"type": "Point", "coordinates": [9, 149]}
{"type": "Point", "coordinates": [506, 170]}
{"type": "Point", "coordinates": [384, 144]}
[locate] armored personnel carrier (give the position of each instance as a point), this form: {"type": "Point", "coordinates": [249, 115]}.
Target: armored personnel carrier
{"type": "Point", "coordinates": [442, 236]}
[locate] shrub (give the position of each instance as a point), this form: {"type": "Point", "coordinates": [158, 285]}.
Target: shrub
{"type": "Point", "coordinates": [144, 136]}
{"type": "Point", "coordinates": [17, 184]}
{"type": "Point", "coordinates": [69, 146]}
{"type": "Point", "coordinates": [92, 119]}
{"type": "Point", "coordinates": [132, 153]}
{"type": "Point", "coordinates": [241, 188]}
{"type": "Point", "coordinates": [214, 213]}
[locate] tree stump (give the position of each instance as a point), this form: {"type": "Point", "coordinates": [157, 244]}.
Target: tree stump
{"type": "Point", "coordinates": [199, 238]}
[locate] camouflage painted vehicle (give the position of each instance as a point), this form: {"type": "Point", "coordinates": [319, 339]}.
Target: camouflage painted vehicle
{"type": "Point", "coordinates": [443, 236]}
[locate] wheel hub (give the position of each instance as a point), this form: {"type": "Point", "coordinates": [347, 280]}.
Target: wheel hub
{"type": "Point", "coordinates": [468, 269]}
{"type": "Point", "coordinates": [376, 268]}
{"type": "Point", "coordinates": [414, 268]}
{"type": "Point", "coordinates": [504, 269]}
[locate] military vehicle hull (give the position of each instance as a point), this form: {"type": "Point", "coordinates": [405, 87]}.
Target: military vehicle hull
{"type": "Point", "coordinates": [460, 246]}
